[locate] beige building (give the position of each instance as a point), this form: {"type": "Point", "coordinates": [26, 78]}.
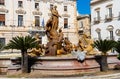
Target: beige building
{"type": "Point", "coordinates": [83, 24]}
{"type": "Point", "coordinates": [24, 17]}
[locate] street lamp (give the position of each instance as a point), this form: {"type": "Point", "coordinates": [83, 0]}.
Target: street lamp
{"type": "Point", "coordinates": [98, 30]}
{"type": "Point", "coordinates": [110, 29]}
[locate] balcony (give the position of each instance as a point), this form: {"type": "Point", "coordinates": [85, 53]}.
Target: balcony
{"type": "Point", "coordinates": [20, 10]}
{"type": "Point", "coordinates": [108, 18]}
{"type": "Point", "coordinates": [33, 30]}
{"type": "Point", "coordinates": [37, 12]}
{"type": "Point", "coordinates": [37, 0]}
{"type": "Point", "coordinates": [3, 10]}
{"type": "Point", "coordinates": [65, 15]}
{"type": "Point", "coordinates": [80, 32]}
{"type": "Point", "coordinates": [96, 20]}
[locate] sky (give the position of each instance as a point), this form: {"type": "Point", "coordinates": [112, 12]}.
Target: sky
{"type": "Point", "coordinates": [83, 7]}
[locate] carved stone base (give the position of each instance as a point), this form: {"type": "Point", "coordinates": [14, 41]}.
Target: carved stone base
{"type": "Point", "coordinates": [63, 66]}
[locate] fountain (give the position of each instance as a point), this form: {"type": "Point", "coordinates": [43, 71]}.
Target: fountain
{"type": "Point", "coordinates": [57, 58]}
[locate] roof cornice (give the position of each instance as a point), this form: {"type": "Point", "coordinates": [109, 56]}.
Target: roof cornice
{"type": "Point", "coordinates": [98, 1]}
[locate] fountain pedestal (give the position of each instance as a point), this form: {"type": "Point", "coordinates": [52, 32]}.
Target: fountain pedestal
{"type": "Point", "coordinates": [54, 65]}
{"type": "Point", "coordinates": [62, 66]}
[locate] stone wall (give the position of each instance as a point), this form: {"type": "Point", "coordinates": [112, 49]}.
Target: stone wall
{"type": "Point", "coordinates": [4, 63]}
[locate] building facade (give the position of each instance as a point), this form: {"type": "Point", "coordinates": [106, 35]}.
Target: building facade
{"type": "Point", "coordinates": [83, 23]}
{"type": "Point", "coordinates": [105, 19]}
{"type": "Point", "coordinates": [24, 17]}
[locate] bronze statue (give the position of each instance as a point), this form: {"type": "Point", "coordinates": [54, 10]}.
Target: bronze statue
{"type": "Point", "coordinates": [51, 32]}
{"type": "Point", "coordinates": [55, 18]}
{"type": "Point", "coordinates": [67, 45]}
{"type": "Point", "coordinates": [48, 29]}
{"type": "Point", "coordinates": [52, 24]}
{"type": "Point", "coordinates": [60, 38]}
{"type": "Point", "coordinates": [85, 44]}
{"type": "Point", "coordinates": [51, 47]}
{"type": "Point", "coordinates": [38, 50]}
{"type": "Point", "coordinates": [56, 40]}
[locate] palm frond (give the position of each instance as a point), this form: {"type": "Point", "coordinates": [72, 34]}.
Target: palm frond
{"type": "Point", "coordinates": [117, 46]}
{"type": "Point", "coordinates": [104, 45]}
{"type": "Point", "coordinates": [1, 46]}
{"type": "Point", "coordinates": [30, 42]}
{"type": "Point", "coordinates": [21, 43]}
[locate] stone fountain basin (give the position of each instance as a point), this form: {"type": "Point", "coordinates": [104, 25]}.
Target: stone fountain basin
{"type": "Point", "coordinates": [53, 65]}
{"type": "Point", "coordinates": [63, 64]}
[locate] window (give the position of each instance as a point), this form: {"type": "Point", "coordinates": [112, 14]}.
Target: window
{"type": "Point", "coordinates": [36, 5]}
{"type": "Point", "coordinates": [98, 14]}
{"type": "Point", "coordinates": [110, 12]}
{"type": "Point", "coordinates": [65, 8]}
{"type": "Point", "coordinates": [109, 16]}
{"type": "Point", "coordinates": [97, 17]}
{"type": "Point", "coordinates": [2, 40]}
{"type": "Point", "coordinates": [65, 22]}
{"type": "Point", "coordinates": [109, 8]}
{"type": "Point", "coordinates": [2, 19]}
{"type": "Point", "coordinates": [81, 24]}
{"type": "Point", "coordinates": [51, 6]}
{"type": "Point", "coordinates": [2, 2]}
{"type": "Point", "coordinates": [37, 21]}
{"type": "Point", "coordinates": [20, 4]}
{"type": "Point", "coordinates": [20, 20]}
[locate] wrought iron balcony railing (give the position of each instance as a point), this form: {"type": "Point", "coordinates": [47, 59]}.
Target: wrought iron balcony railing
{"type": "Point", "coordinates": [108, 18]}
{"type": "Point", "coordinates": [96, 20]}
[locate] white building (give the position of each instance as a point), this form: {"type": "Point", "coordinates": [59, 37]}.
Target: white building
{"type": "Point", "coordinates": [20, 17]}
{"type": "Point", "coordinates": [105, 19]}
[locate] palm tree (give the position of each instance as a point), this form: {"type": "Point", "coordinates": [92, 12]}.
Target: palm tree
{"type": "Point", "coordinates": [117, 48]}
{"type": "Point", "coordinates": [23, 44]}
{"type": "Point", "coordinates": [1, 46]}
{"type": "Point", "coordinates": [104, 46]}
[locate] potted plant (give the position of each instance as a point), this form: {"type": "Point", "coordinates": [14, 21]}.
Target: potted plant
{"type": "Point", "coordinates": [117, 48]}
{"type": "Point", "coordinates": [22, 43]}
{"type": "Point", "coordinates": [104, 46]}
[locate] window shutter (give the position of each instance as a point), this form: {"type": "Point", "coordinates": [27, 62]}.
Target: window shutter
{"type": "Point", "coordinates": [2, 17]}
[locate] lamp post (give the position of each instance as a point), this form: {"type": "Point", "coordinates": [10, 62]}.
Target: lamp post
{"type": "Point", "coordinates": [98, 30]}
{"type": "Point", "coordinates": [110, 29]}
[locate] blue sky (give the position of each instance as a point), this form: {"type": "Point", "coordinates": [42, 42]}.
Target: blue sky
{"type": "Point", "coordinates": [83, 6]}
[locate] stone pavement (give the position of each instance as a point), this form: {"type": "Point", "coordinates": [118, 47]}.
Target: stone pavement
{"type": "Point", "coordinates": [110, 76]}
